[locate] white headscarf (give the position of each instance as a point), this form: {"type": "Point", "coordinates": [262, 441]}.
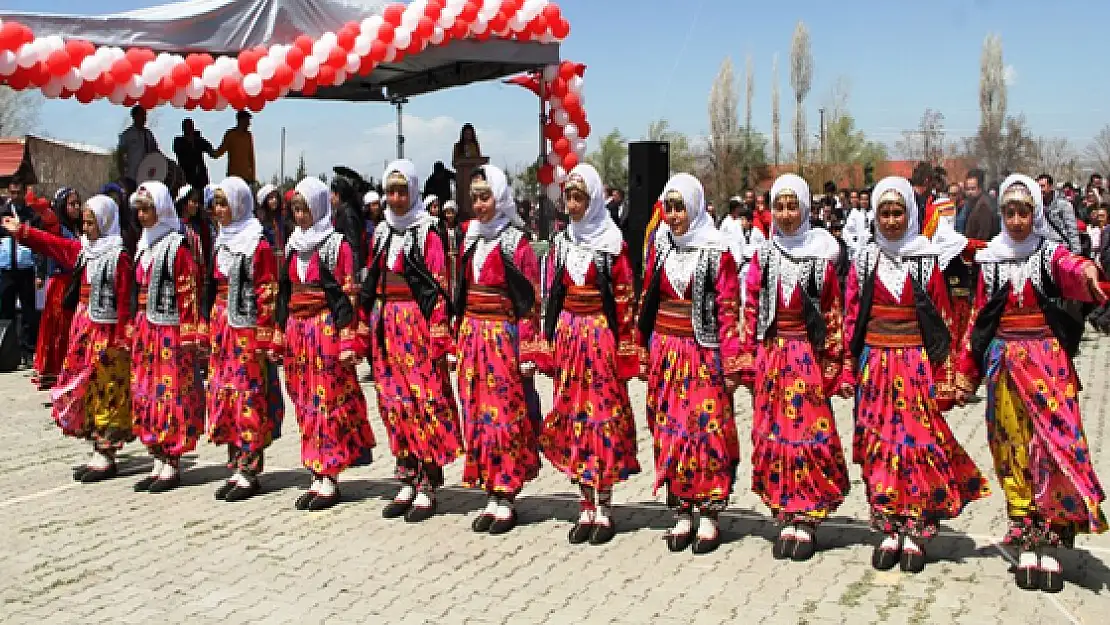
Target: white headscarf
{"type": "Point", "coordinates": [318, 198]}
{"type": "Point", "coordinates": [370, 198]}
{"type": "Point", "coordinates": [805, 242]}
{"type": "Point", "coordinates": [596, 230]}
{"type": "Point", "coordinates": [1003, 247]}
{"type": "Point", "coordinates": [504, 204]}
{"type": "Point", "coordinates": [264, 193]}
{"type": "Point", "coordinates": [167, 220]}
{"type": "Point", "coordinates": [701, 233]}
{"type": "Point", "coordinates": [416, 213]}
{"type": "Point", "coordinates": [242, 235]}
{"type": "Point", "coordinates": [912, 242]}
{"type": "Point", "coordinates": [107, 222]}
{"type": "Point", "coordinates": [183, 192]}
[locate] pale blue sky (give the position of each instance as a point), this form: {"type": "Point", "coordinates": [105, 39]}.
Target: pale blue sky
{"type": "Point", "coordinates": [657, 58]}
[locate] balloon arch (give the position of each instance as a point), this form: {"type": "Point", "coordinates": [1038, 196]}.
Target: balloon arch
{"type": "Point", "coordinates": [78, 69]}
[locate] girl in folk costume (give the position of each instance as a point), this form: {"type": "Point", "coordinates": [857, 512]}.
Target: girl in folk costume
{"type": "Point", "coordinates": [55, 322]}
{"type": "Point", "coordinates": [590, 434]}
{"type": "Point", "coordinates": [92, 397]}
{"type": "Point", "coordinates": [406, 299]}
{"type": "Point", "coordinates": [245, 404]}
{"type": "Point", "coordinates": [498, 346]}
{"type": "Point", "coordinates": [321, 346]}
{"type": "Point", "coordinates": [897, 328]}
{"type": "Point", "coordinates": [688, 320]}
{"type": "Point", "coordinates": [167, 395]}
{"type": "Point", "coordinates": [793, 327]}
{"type": "Point", "coordinates": [1022, 342]}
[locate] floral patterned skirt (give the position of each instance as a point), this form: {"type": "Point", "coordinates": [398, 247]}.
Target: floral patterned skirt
{"type": "Point", "coordinates": [590, 433]}
{"type": "Point", "coordinates": [167, 396]}
{"type": "Point", "coordinates": [245, 404]}
{"type": "Point", "coordinates": [691, 421]}
{"type": "Point", "coordinates": [54, 326]}
{"type": "Point", "coordinates": [92, 398]}
{"type": "Point", "coordinates": [331, 409]}
{"type": "Point", "coordinates": [798, 466]}
{"type": "Point", "coordinates": [415, 399]}
{"type": "Point", "coordinates": [915, 470]}
{"type": "Point", "coordinates": [501, 448]}
{"type": "Point", "coordinates": [1036, 437]}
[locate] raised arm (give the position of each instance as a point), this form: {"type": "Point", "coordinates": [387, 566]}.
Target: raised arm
{"type": "Point", "coordinates": [63, 251]}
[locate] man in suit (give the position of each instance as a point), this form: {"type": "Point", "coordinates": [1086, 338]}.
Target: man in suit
{"type": "Point", "coordinates": [20, 270]}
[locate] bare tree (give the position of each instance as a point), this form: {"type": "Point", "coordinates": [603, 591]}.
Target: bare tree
{"type": "Point", "coordinates": [1055, 156]}
{"type": "Point", "coordinates": [724, 128]}
{"type": "Point", "coordinates": [776, 116]}
{"type": "Point", "coordinates": [19, 111]}
{"type": "Point", "coordinates": [992, 106]}
{"type": "Point", "coordinates": [801, 80]}
{"type": "Point", "coordinates": [926, 142]}
{"type": "Point", "coordinates": [749, 92]}
{"type": "Point", "coordinates": [1098, 152]}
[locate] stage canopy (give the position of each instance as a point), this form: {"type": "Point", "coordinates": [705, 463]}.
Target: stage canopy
{"type": "Point", "coordinates": [227, 27]}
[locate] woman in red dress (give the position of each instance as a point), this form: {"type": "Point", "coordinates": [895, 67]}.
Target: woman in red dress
{"type": "Point", "coordinates": [590, 434]}
{"type": "Point", "coordinates": [404, 294]}
{"type": "Point", "coordinates": [793, 325]}
{"type": "Point", "coordinates": [167, 395]}
{"type": "Point", "coordinates": [897, 327]}
{"type": "Point", "coordinates": [56, 318]}
{"type": "Point", "coordinates": [498, 346]}
{"type": "Point", "coordinates": [689, 322]}
{"type": "Point", "coordinates": [92, 398]}
{"type": "Point", "coordinates": [1021, 342]}
{"type": "Point", "coordinates": [245, 404]}
{"type": "Point", "coordinates": [321, 347]}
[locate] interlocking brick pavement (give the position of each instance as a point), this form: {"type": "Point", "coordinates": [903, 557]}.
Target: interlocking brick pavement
{"type": "Point", "coordinates": [72, 553]}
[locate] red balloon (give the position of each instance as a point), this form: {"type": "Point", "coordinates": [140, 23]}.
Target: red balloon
{"type": "Point", "coordinates": [166, 88]}
{"type": "Point", "coordinates": [366, 66]}
{"type": "Point", "coordinates": [58, 63]}
{"type": "Point", "coordinates": [512, 6]}
{"type": "Point", "coordinates": [558, 87]}
{"type": "Point", "coordinates": [256, 104]}
{"type": "Point", "coordinates": [77, 51]}
{"type": "Point", "coordinates": [538, 25]}
{"type": "Point", "coordinates": [195, 64]}
{"type": "Point", "coordinates": [19, 80]}
{"type": "Point", "coordinates": [86, 93]}
{"type": "Point", "coordinates": [11, 36]}
{"type": "Point", "coordinates": [283, 75]}
{"type": "Point", "coordinates": [571, 101]}
{"type": "Point", "coordinates": [552, 12]}
{"type": "Point", "coordinates": [122, 70]}
{"type": "Point", "coordinates": [229, 86]}
{"type": "Point", "coordinates": [425, 28]}
{"type": "Point", "coordinates": [337, 58]}
{"type": "Point", "coordinates": [552, 131]}
{"type": "Point", "coordinates": [386, 33]}
{"type": "Point", "coordinates": [561, 146]}
{"type": "Point", "coordinates": [498, 23]}
{"type": "Point", "coordinates": [326, 77]}
{"type": "Point", "coordinates": [304, 43]}
{"type": "Point", "coordinates": [469, 12]}
{"type": "Point", "coordinates": [248, 62]}
{"type": "Point", "coordinates": [584, 129]}
{"type": "Point", "coordinates": [393, 13]}
{"type": "Point", "coordinates": [181, 74]}
{"type": "Point", "coordinates": [208, 100]}
{"type": "Point", "coordinates": [483, 36]}
{"type": "Point", "coordinates": [433, 9]}
{"type": "Point", "coordinates": [378, 51]}
{"type": "Point", "coordinates": [460, 29]}
{"type": "Point", "coordinates": [294, 58]}
{"type": "Point", "coordinates": [191, 104]}
{"type": "Point", "coordinates": [39, 74]}
{"type": "Point", "coordinates": [270, 93]}
{"type": "Point", "coordinates": [560, 29]}
{"type": "Point", "coordinates": [570, 161]}
{"type": "Point", "coordinates": [149, 99]}
{"type": "Point", "coordinates": [345, 38]}
{"type": "Point", "coordinates": [136, 57]}
{"type": "Point", "coordinates": [566, 70]}
{"type": "Point", "coordinates": [309, 88]}
{"type": "Point", "coordinates": [66, 94]}
{"type": "Point", "coordinates": [546, 174]}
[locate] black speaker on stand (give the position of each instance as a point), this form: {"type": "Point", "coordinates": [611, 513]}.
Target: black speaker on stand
{"type": "Point", "coordinates": [10, 354]}
{"type": "Point", "coordinates": [649, 166]}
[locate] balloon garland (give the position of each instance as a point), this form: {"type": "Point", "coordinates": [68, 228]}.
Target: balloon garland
{"type": "Point", "coordinates": [259, 75]}
{"type": "Point", "coordinates": [567, 128]}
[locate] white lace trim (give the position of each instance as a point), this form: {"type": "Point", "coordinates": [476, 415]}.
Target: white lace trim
{"type": "Point", "coordinates": [893, 275]}
{"type": "Point", "coordinates": [790, 273]}
{"type": "Point", "coordinates": [577, 263]}
{"type": "Point", "coordinates": [679, 267]}
{"type": "Point", "coordinates": [482, 250]}
{"type": "Point", "coordinates": [396, 248]}
{"type": "Point", "coordinates": [1018, 274]}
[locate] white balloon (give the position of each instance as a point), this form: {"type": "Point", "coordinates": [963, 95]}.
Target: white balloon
{"type": "Point", "coordinates": [371, 25]}
{"type": "Point", "coordinates": [179, 98]}
{"type": "Point", "coordinates": [531, 9]}
{"type": "Point", "coordinates": [390, 54]}
{"type": "Point", "coordinates": [362, 45]}
{"type": "Point", "coordinates": [570, 131]}
{"type": "Point", "coordinates": [53, 42]}
{"type": "Point", "coordinates": [330, 39]}
{"type": "Point", "coordinates": [402, 39]}
{"type": "Point", "coordinates": [53, 88]}
{"type": "Point", "coordinates": [553, 159]}
{"type": "Point", "coordinates": [340, 77]}
{"type": "Point", "coordinates": [437, 36]}
{"type": "Point", "coordinates": [562, 118]}
{"type": "Point", "coordinates": [311, 67]}
{"type": "Point", "coordinates": [298, 82]}
{"type": "Point", "coordinates": [27, 56]}
{"type": "Point", "coordinates": [210, 77]}
{"type": "Point", "coordinates": [72, 80]}
{"type": "Point", "coordinates": [410, 19]}
{"type": "Point", "coordinates": [151, 76]}
{"type": "Point", "coordinates": [548, 38]}
{"type": "Point", "coordinates": [195, 88]}
{"type": "Point", "coordinates": [135, 87]}
{"type": "Point", "coordinates": [479, 26]}
{"type": "Point", "coordinates": [353, 62]}
{"type": "Point", "coordinates": [118, 95]}
{"type": "Point", "coordinates": [88, 69]}
{"type": "Point", "coordinates": [580, 148]}
{"type": "Point", "coordinates": [560, 174]}
{"type": "Point", "coordinates": [446, 20]}
{"type": "Point", "coordinates": [8, 63]}
{"type": "Point", "coordinates": [252, 84]}
{"type": "Point", "coordinates": [266, 67]}
{"type": "Point", "coordinates": [517, 23]}
{"type": "Point", "coordinates": [554, 192]}
{"type": "Point", "coordinates": [575, 85]}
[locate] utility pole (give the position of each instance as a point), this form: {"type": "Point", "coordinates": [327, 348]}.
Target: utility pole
{"type": "Point", "coordinates": [400, 102]}
{"type": "Point", "coordinates": [822, 111]}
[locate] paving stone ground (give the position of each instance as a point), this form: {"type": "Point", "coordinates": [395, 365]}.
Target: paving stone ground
{"type": "Point", "coordinates": [72, 553]}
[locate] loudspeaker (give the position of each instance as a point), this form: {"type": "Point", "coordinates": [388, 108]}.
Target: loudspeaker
{"type": "Point", "coordinates": [10, 355]}
{"type": "Point", "coordinates": [649, 166]}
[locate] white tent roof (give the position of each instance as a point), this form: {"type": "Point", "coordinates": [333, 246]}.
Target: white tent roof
{"type": "Point", "coordinates": [228, 26]}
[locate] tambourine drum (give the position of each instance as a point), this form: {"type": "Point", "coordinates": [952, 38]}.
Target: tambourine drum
{"type": "Point", "coordinates": [156, 166]}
